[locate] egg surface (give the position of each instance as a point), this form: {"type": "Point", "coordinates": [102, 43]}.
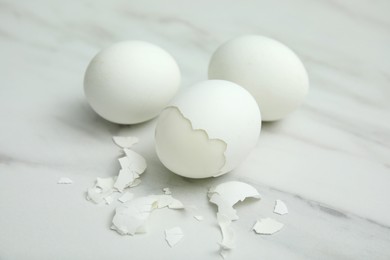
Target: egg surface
{"type": "Point", "coordinates": [208, 129]}
{"type": "Point", "coordinates": [131, 82]}
{"type": "Point", "coordinates": [269, 70]}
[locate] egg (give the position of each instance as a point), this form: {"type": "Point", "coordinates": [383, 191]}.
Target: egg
{"type": "Point", "coordinates": [269, 70]}
{"type": "Point", "coordinates": [130, 82]}
{"type": "Point", "coordinates": [208, 129]}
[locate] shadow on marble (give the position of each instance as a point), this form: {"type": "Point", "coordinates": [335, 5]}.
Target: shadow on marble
{"type": "Point", "coordinates": [79, 116]}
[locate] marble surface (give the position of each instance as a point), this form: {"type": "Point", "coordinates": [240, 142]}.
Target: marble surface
{"type": "Point", "coordinates": [329, 161]}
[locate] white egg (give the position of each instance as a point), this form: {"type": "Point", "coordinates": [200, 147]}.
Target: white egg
{"type": "Point", "coordinates": [208, 129]}
{"type": "Point", "coordinates": [269, 70]}
{"type": "Point", "coordinates": [131, 82]}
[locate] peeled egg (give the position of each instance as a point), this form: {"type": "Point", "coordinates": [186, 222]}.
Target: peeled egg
{"type": "Point", "coordinates": [208, 129]}
{"type": "Point", "coordinates": [130, 82]}
{"type": "Point", "coordinates": [269, 70]}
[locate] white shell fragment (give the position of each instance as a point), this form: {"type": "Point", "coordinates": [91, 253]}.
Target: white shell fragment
{"type": "Point", "coordinates": [280, 207]}
{"type": "Point", "coordinates": [103, 188]}
{"type": "Point", "coordinates": [168, 201]}
{"type": "Point", "coordinates": [109, 199]}
{"type": "Point", "coordinates": [199, 218]}
{"type": "Point", "coordinates": [137, 162]}
{"type": "Point", "coordinates": [126, 177]}
{"type": "Point", "coordinates": [136, 182]}
{"type": "Point", "coordinates": [64, 180]}
{"type": "Point", "coordinates": [130, 217]}
{"type": "Point", "coordinates": [267, 226]}
{"type": "Point", "coordinates": [173, 236]}
{"type": "Point", "coordinates": [228, 241]}
{"type": "Point", "coordinates": [132, 166]}
{"type": "Point", "coordinates": [125, 141]}
{"type": "Point", "coordinates": [133, 161]}
{"type": "Point", "coordinates": [225, 196]}
{"type": "Point", "coordinates": [126, 197]}
{"type": "Point", "coordinates": [167, 191]}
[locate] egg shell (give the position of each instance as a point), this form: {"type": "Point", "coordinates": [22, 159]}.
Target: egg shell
{"type": "Point", "coordinates": [269, 70]}
{"type": "Point", "coordinates": [223, 119]}
{"type": "Point", "coordinates": [131, 82]}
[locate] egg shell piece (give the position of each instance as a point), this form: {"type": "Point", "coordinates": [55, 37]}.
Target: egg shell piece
{"type": "Point", "coordinates": [130, 218]}
{"type": "Point", "coordinates": [227, 194]}
{"type": "Point", "coordinates": [173, 236]}
{"type": "Point", "coordinates": [280, 207]}
{"type": "Point", "coordinates": [267, 226]}
{"type": "Point", "coordinates": [234, 191]}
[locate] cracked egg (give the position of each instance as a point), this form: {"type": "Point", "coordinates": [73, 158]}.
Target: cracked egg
{"type": "Point", "coordinates": [208, 129]}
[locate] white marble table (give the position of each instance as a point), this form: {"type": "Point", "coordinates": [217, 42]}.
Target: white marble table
{"type": "Point", "coordinates": [329, 161]}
